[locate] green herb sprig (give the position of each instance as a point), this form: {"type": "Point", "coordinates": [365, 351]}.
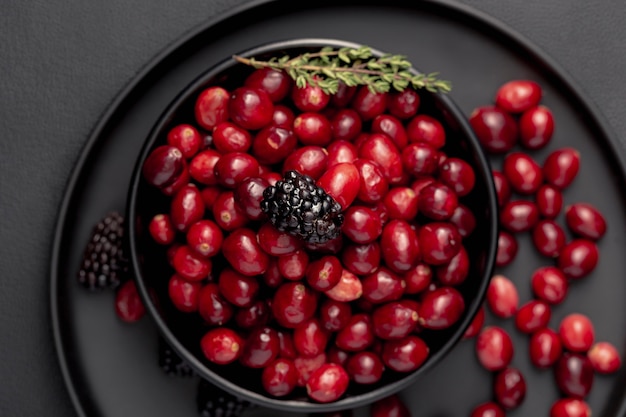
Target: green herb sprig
{"type": "Point", "coordinates": [352, 66]}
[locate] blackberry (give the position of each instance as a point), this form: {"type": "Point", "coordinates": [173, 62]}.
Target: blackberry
{"type": "Point", "coordinates": [215, 402]}
{"type": "Point", "coordinates": [104, 264]}
{"type": "Point", "coordinates": [296, 205]}
{"type": "Point", "coordinates": [171, 363]}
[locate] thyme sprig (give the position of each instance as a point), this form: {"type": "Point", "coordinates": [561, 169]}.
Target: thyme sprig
{"type": "Point", "coordinates": [352, 66]}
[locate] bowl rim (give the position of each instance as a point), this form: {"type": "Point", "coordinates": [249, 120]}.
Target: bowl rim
{"type": "Point", "coordinates": [296, 405]}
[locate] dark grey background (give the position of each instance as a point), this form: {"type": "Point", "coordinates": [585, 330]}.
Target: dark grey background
{"type": "Point", "coordinates": [62, 62]}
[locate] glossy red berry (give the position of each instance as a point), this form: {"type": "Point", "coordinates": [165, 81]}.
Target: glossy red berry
{"type": "Point", "coordinates": [400, 246]}
{"type": "Point", "coordinates": [476, 325]}
{"type": "Point", "coordinates": [212, 107]}
{"type": "Point", "coordinates": [523, 173]}
{"type": "Point", "coordinates": [489, 409]}
{"type": "Point", "coordinates": [293, 265]}
{"type": "Point", "coordinates": [212, 306]}
{"type": "Point", "coordinates": [405, 355]}
{"type": "Point", "coordinates": [517, 96]}
{"type": "Point", "coordinates": [495, 128]}
{"type": "Point", "coordinates": [234, 167]}
{"type": "Point", "coordinates": [309, 98]}
{"type": "Point", "coordinates": [394, 320]}
{"type": "Point", "coordinates": [328, 383]}
{"type": "Point", "coordinates": [549, 284]}
{"type": "Point", "coordinates": [243, 252]}
{"type": "Point", "coordinates": [273, 144]}
{"type": "Point", "coordinates": [334, 315]}
{"type": "Point", "coordinates": [437, 201]}
{"type": "Point", "coordinates": [441, 308]}
{"type": "Point", "coordinates": [280, 377]}
{"type": "Point", "coordinates": [310, 338]}
{"type": "Point", "coordinates": [509, 388]}
{"type": "Point", "coordinates": [293, 304]}
{"type": "Point", "coordinates": [312, 129]}
{"type": "Point", "coordinates": [361, 259]}
{"type": "Point", "coordinates": [464, 220]}
{"type": "Point", "coordinates": [186, 208]}
{"type": "Point", "coordinates": [257, 314]}
{"type": "Point", "coordinates": [368, 104]}
{"type": "Point", "coordinates": [502, 296]}
{"type": "Point", "coordinates": [349, 288]}
{"type": "Point", "coordinates": [548, 238]}
{"type": "Point", "coordinates": [439, 242]}
{"type": "Point", "coordinates": [361, 224]}
{"type": "Point", "coordinates": [186, 138]}
{"type": "Point", "coordinates": [341, 182]}
{"type": "Point", "coordinates": [578, 258]}
{"type": "Point", "coordinates": [365, 368]}
{"type": "Point", "coordinates": [276, 84]}
{"type": "Point", "coordinates": [561, 167]}
{"type": "Point", "coordinates": [380, 149]}
{"type": "Point", "coordinates": [261, 348]}
{"type": "Point", "coordinates": [205, 237]}
{"type": "Point", "coordinates": [585, 220]}
{"type": "Point", "coordinates": [128, 305]}
{"type": "Point", "coordinates": [507, 248]}
{"type": "Point", "coordinates": [237, 288]}
{"type": "Point", "coordinates": [306, 366]}
{"type": "Point", "coordinates": [161, 229]}
{"type": "Point", "coordinates": [544, 348]}
{"type": "Point", "coordinates": [202, 167]}
{"type": "Point", "coordinates": [357, 335]}
{"type": "Point", "coordinates": [577, 332]}
{"type": "Point", "coordinates": [184, 294]}
{"type": "Point", "coordinates": [392, 127]}
{"type": "Point", "coordinates": [426, 129]}
{"type": "Point", "coordinates": [221, 345]}
{"type": "Point", "coordinates": [536, 127]}
{"type": "Point", "coordinates": [574, 375]}
{"type": "Point", "coordinates": [250, 108]}
{"type": "Point", "coordinates": [403, 104]}
{"type": "Point", "coordinates": [549, 201]}
{"type": "Point", "coordinates": [494, 348]}
{"type": "Point", "coordinates": [228, 137]}
{"type": "Point", "coordinates": [276, 243]}
{"type": "Point", "coordinates": [458, 175]}
{"type": "Point", "coordinates": [519, 216]}
{"type": "Point", "coordinates": [570, 407]}
{"type": "Point", "coordinates": [418, 278]}
{"type": "Point", "coordinates": [373, 185]}
{"type": "Point", "coordinates": [391, 406]}
{"type": "Point", "coordinates": [346, 124]}
{"type": "Point", "coordinates": [605, 358]}
{"type": "Point", "coordinates": [456, 271]}
{"type": "Point", "coordinates": [190, 265]}
{"type": "Point", "coordinates": [532, 316]}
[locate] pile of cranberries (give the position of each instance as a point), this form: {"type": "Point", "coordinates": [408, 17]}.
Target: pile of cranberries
{"type": "Point", "coordinates": [320, 316]}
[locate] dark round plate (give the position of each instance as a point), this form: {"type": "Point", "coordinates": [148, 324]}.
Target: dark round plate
{"type": "Point", "coordinates": [111, 367]}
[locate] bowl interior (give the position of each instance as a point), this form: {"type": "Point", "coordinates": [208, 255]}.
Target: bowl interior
{"type": "Point", "coordinates": [183, 330]}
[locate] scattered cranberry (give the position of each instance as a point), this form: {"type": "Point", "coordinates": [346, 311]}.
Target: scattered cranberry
{"type": "Point", "coordinates": [161, 229]}
{"type": "Point", "coordinates": [519, 216]}
{"type": "Point", "coordinates": [380, 149]}
{"type": "Point", "coordinates": [190, 265]}
{"type": "Point", "coordinates": [437, 201]}
{"type": "Point", "coordinates": [574, 375]}
{"type": "Point", "coordinates": [349, 288]}
{"type": "Point", "coordinates": [405, 355]}
{"type": "Point", "coordinates": [250, 108]}
{"type": "Point", "coordinates": [273, 144]}
{"type": "Point", "coordinates": [280, 377]}
{"type": "Point", "coordinates": [373, 185]}
{"type": "Point", "coordinates": [400, 246]}
{"type": "Point", "coordinates": [417, 279]}
{"type": "Point", "coordinates": [341, 182]}
{"type": "Point", "coordinates": [368, 104]}
{"type": "Point", "coordinates": [509, 388]}
{"type": "Point", "coordinates": [228, 137]}
{"type": "Point", "coordinates": [532, 316]}
{"type": "Point", "coordinates": [441, 308]}
{"type": "Point", "coordinates": [507, 248]}
{"type": "Point", "coordinates": [335, 315]}
{"type": "Point", "coordinates": [458, 175]}
{"type": "Point", "coordinates": [489, 409]}
{"type": "Point", "coordinates": [604, 357]}
{"type": "Point", "coordinates": [392, 127]}
{"type": "Point", "coordinates": [549, 284]}
{"type": "Point", "coordinates": [517, 96]}
{"type": "Point", "coordinates": [522, 172]}
{"type": "Point", "coordinates": [503, 188]}
{"type": "Point", "coordinates": [425, 129]}
{"type": "Point", "coordinates": [464, 220]}
{"type": "Point", "coordinates": [578, 258]}
{"type": "Point", "coordinates": [221, 345]}
{"type": "Point", "coordinates": [258, 314]}
{"type": "Point", "coordinates": [187, 207]}
{"type": "Point", "coordinates": [494, 348]}
{"type": "Point", "coordinates": [394, 320]}
{"type": "Point", "coordinates": [327, 383]}
{"type": "Point", "coordinates": [275, 83]}
{"type": "Point", "coordinates": [306, 366]}
{"type": "Point", "coordinates": [548, 238]}
{"type": "Point", "coordinates": [456, 271]}
{"type": "Point", "coordinates": [205, 237]}
{"type": "Point", "coordinates": [293, 304]}
{"type": "Point", "coordinates": [495, 128]}
{"type": "Point", "coordinates": [391, 406]}
{"type": "Point", "coordinates": [545, 348]}
{"type": "Point", "coordinates": [577, 332]}
{"type": "Point", "coordinates": [212, 306]}
{"type": "Point", "coordinates": [202, 167]}
{"type": "Point", "coordinates": [237, 288]}
{"type": "Point", "coordinates": [502, 296]}
{"type": "Point", "coordinates": [186, 138]}
{"type": "Point", "coordinates": [357, 335]}
{"type": "Point", "coordinates": [570, 407]}
{"type": "Point", "coordinates": [536, 126]}
{"type": "Point", "coordinates": [476, 325]}
{"type": "Point", "coordinates": [585, 221]}
{"type": "Point", "coordinates": [128, 305]}
{"type": "Point", "coordinates": [310, 338]}
{"type": "Point", "coordinates": [439, 242]}
{"type": "Point", "coordinates": [549, 201]}
{"type": "Point", "coordinates": [561, 167]}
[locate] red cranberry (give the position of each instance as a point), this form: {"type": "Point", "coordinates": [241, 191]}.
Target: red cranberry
{"type": "Point", "coordinates": [187, 207]}
{"type": "Point", "coordinates": [391, 406]}
{"type": "Point", "coordinates": [549, 201]}
{"type": "Point", "coordinates": [392, 127]}
{"type": "Point", "coordinates": [250, 108]}
{"type": "Point", "coordinates": [341, 182]}
{"type": "Point", "coordinates": [280, 377]}
{"type": "Point", "coordinates": [276, 84]}
{"type": "Point", "coordinates": [380, 149]}
{"type": "Point", "coordinates": [545, 348]}
{"type": "Point", "coordinates": [186, 138]}
{"type": "Point", "coordinates": [343, 96]}
{"type": "Point", "coordinates": [221, 345]}
{"type": "Point", "coordinates": [293, 266]}
{"type": "Point", "coordinates": [503, 188]}
{"type": "Point", "coordinates": [509, 388]}
{"type": "Point", "coordinates": [494, 348]}
{"type": "Point", "coordinates": [523, 173]}
{"type": "Point", "coordinates": [349, 288]}
{"type": "Point", "coordinates": [257, 314]}
{"type": "Point", "coordinates": [310, 338]}
{"type": "Point", "coordinates": [401, 203]}
{"type": "Point", "coordinates": [561, 167]}
{"type": "Point", "coordinates": [517, 96]}
{"type": "Point", "coordinates": [549, 284]}
{"type": "Point", "coordinates": [574, 375]}
{"type": "Point", "coordinates": [585, 220]}
{"type": "Point", "coordinates": [403, 104]}
{"type": "Point", "coordinates": [163, 166]}
{"type": "Point", "coordinates": [273, 144]}
{"type": "Point", "coordinates": [341, 151]}
{"type": "Point", "coordinates": [272, 277]}
{"type": "Point", "coordinates": [293, 304]}
{"type": "Point", "coordinates": [456, 271]}
{"type": "Point", "coordinates": [334, 315]}
{"type": "Point", "coordinates": [205, 237]}
{"type": "Point", "coordinates": [578, 258]}
{"type": "Point", "coordinates": [507, 248]}
{"type": "Point", "coordinates": [234, 167]}
{"type": "Point", "coordinates": [307, 160]}
{"type": "Point", "coordinates": [324, 273]}
{"type": "Point", "coordinates": [532, 316]}
{"type": "Point", "coordinates": [361, 224]}
{"type": "Point", "coordinates": [275, 242]}
{"type": "Point", "coordinates": [309, 98]}
{"type": "Point", "coordinates": [365, 368]}
{"type": "Point", "coordinates": [357, 335]}
{"type": "Point", "coordinates": [426, 129]}
{"type": "Point", "coordinates": [368, 104]}
{"type": "Point", "coordinates": [548, 238]}
{"type": "Point", "coordinates": [420, 183]}
{"type": "Point", "coordinates": [328, 383]}
{"type": "Point", "coordinates": [417, 279]}
{"type": "Point", "coordinates": [202, 167]}
{"type": "Point", "coordinates": [519, 216]}
{"type": "Point", "coordinates": [191, 265]}
{"type": "Point", "coordinates": [228, 137]}
{"type": "Point", "coordinates": [361, 259]}
{"type": "Point", "coordinates": [182, 180]}
{"type": "Point", "coordinates": [577, 332]}
{"type": "Point", "coordinates": [210, 194]}
{"type": "Point", "coordinates": [227, 214]}
{"type": "Point", "coordinates": [502, 296]}
{"type": "Point", "coordinates": [420, 159]}
{"type": "Point", "coordinates": [248, 196]}
{"type": "Point", "coordinates": [400, 246]}
{"type": "Point", "coordinates": [243, 252]}
{"type": "Point", "coordinates": [489, 409]}
{"type": "Point", "coordinates": [287, 349]}
{"type": "Point", "coordinates": [128, 305]}
{"type": "Point", "coordinates": [458, 175]}
{"type": "Point", "coordinates": [338, 356]}
{"type": "Point", "coordinates": [346, 124]}
{"type": "Point", "coordinates": [261, 348]}
{"type": "Point", "coordinates": [536, 127]}
{"type": "Point", "coordinates": [238, 289]}
{"type": "Point", "coordinates": [372, 184]}
{"type": "Point", "coordinates": [464, 220]}
{"type": "Point", "coordinates": [437, 201]}
{"type": "Point", "coordinates": [604, 357]}
{"type": "Point", "coordinates": [212, 307]}
{"type": "Point", "coordinates": [496, 129]}
{"type": "Point", "coordinates": [161, 229]}
{"type": "Point", "coordinates": [312, 129]}
{"type": "Point", "coordinates": [306, 366]}
{"type": "Point", "coordinates": [405, 355]}
{"type": "Point", "coordinates": [212, 107]}
{"type": "Point", "coordinates": [394, 320]}
{"type": "Point", "coordinates": [476, 325]}
{"type": "Point", "coordinates": [183, 293]}
{"type": "Point", "coordinates": [441, 308]}
{"type": "Point", "coordinates": [570, 407]}
{"type": "Point", "coordinates": [439, 242]}
{"type": "Point", "coordinates": [283, 116]}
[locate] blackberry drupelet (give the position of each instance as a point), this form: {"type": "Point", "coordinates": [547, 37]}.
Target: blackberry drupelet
{"type": "Point", "coordinates": [296, 205]}
{"type": "Point", "coordinates": [171, 363]}
{"type": "Point", "coordinates": [215, 402]}
{"type": "Point", "coordinates": [104, 263]}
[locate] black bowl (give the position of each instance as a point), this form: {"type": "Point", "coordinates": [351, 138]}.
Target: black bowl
{"type": "Point", "coordinates": [183, 330]}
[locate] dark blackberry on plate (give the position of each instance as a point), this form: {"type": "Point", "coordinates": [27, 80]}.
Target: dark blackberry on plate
{"type": "Point", "coordinates": [171, 363]}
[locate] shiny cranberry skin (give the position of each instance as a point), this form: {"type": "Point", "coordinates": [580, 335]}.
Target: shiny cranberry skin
{"type": "Point", "coordinates": [205, 237]}
{"type": "Point", "coordinates": [310, 338]}
{"type": "Point", "coordinates": [441, 308]}
{"type": "Point", "coordinates": [307, 160]}
{"type": "Point", "coordinates": [585, 220]}
{"type": "Point", "coordinates": [183, 293]}
{"type": "Point", "coordinates": [368, 104]}
{"type": "Point", "coordinates": [238, 289]}
{"type": "Point", "coordinates": [276, 243]}
{"type": "Point", "coordinates": [570, 407]}
{"type": "Point", "coordinates": [503, 188]}
{"type": "Point", "coordinates": [604, 357]}
{"type": "Point", "coordinates": [426, 129]}
{"type": "Point", "coordinates": [341, 151]}
{"type": "Point", "coordinates": [495, 128]}
{"type": "Point", "coordinates": [324, 273]}
{"type": "Point", "coordinates": [261, 348]}
{"type": "Point", "coordinates": [548, 238]}
{"type": "Point", "coordinates": [202, 167]}
{"type": "Point", "coordinates": [221, 345]}
{"type": "Point", "coordinates": [365, 368]}
{"type": "Point", "coordinates": [517, 96]}
{"type": "Point", "coordinates": [243, 252]}
{"type": "Point", "coordinates": [228, 137]}
{"type": "Point", "coordinates": [544, 348]}
{"type": "Point", "coordinates": [519, 216]}
{"type": "Point", "coordinates": [476, 325]}
{"type": "Point", "coordinates": [186, 138]}
{"type": "Point", "coordinates": [212, 107]}
{"type": "Point", "coordinates": [464, 220]}
{"type": "Point", "coordinates": [437, 201]}
{"type": "Point", "coordinates": [361, 224]}
{"type": "Point", "coordinates": [128, 305]}
{"type": "Point", "coordinates": [357, 335]}
{"type": "Point", "coordinates": [343, 96]}
{"type": "Point", "coordinates": [403, 104]}
{"type": "Point", "coordinates": [373, 186]}
{"type": "Point", "coordinates": [391, 406]}
{"type": "Point", "coordinates": [576, 332]}
{"type": "Point", "coordinates": [161, 229]}
{"type": "Point", "coordinates": [361, 259]}
{"type": "Point", "coordinates": [341, 182]}
{"type": "Point", "coordinates": [401, 203]}
{"type": "Point", "coordinates": [439, 242]}
{"type": "Point", "coordinates": [209, 195]}
{"type": "Point", "coordinates": [346, 124]}
{"type": "Point", "coordinates": [306, 366]}
{"type": "Point", "coordinates": [393, 320]}
{"type": "Point", "coordinates": [507, 248]}
{"type": "Point", "coordinates": [561, 167]}
{"type": "Point", "coordinates": [420, 159]}
{"type": "Point", "coordinates": [549, 284]}
{"type": "Point", "coordinates": [276, 84]}
{"type": "Point", "coordinates": [532, 316]}
{"type": "Point", "coordinates": [273, 144]}
{"type": "Point", "coordinates": [574, 374]}
{"type": "Point", "coordinates": [549, 201]}
{"type": "Point", "coordinates": [212, 307]}
{"type": "Point", "coordinates": [293, 265]}
{"type": "Point", "coordinates": [234, 167]}
{"type": "Point", "coordinates": [578, 258]}
{"type": "Point", "coordinates": [522, 172]}
{"type": "Point", "coordinates": [257, 314]}
{"type": "Point", "coordinates": [502, 296]}
{"type": "Point", "coordinates": [458, 175]}
{"type": "Point", "coordinates": [349, 288]}
{"type": "Point", "coordinates": [392, 127]}
{"type": "Point", "coordinates": [272, 277]}
{"type": "Point", "coordinates": [334, 315]}
{"type": "Point", "coordinates": [338, 356]}
{"type": "Point", "coordinates": [509, 388]}
{"type": "Point", "coordinates": [380, 149]}
{"type": "Point", "coordinates": [456, 271]}
{"type": "Point", "coordinates": [248, 196]}
{"type": "Point", "coordinates": [293, 304]}
{"type": "Point", "coordinates": [309, 98]}
{"type": "Point", "coordinates": [494, 348]}
{"type": "Point", "coordinates": [283, 116]}
{"type": "Point", "coordinates": [312, 129]}
{"type": "Point", "coordinates": [227, 214]}
{"type": "Point", "coordinates": [186, 208]}
{"type": "Point", "coordinates": [328, 383]}
{"type": "Point", "coordinates": [190, 265]}
{"type": "Point", "coordinates": [400, 246]}
{"type": "Point", "coordinates": [182, 180]}
{"type": "Point", "coordinates": [536, 126]}
{"type": "Point", "coordinates": [250, 108]}
{"type": "Point", "coordinates": [287, 349]}
{"type": "Point", "coordinates": [420, 183]}
{"type": "Point", "coordinates": [417, 279]}
{"type": "Point", "coordinates": [280, 377]}
{"type": "Point", "coordinates": [404, 355]}
{"type": "Point", "coordinates": [489, 409]}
